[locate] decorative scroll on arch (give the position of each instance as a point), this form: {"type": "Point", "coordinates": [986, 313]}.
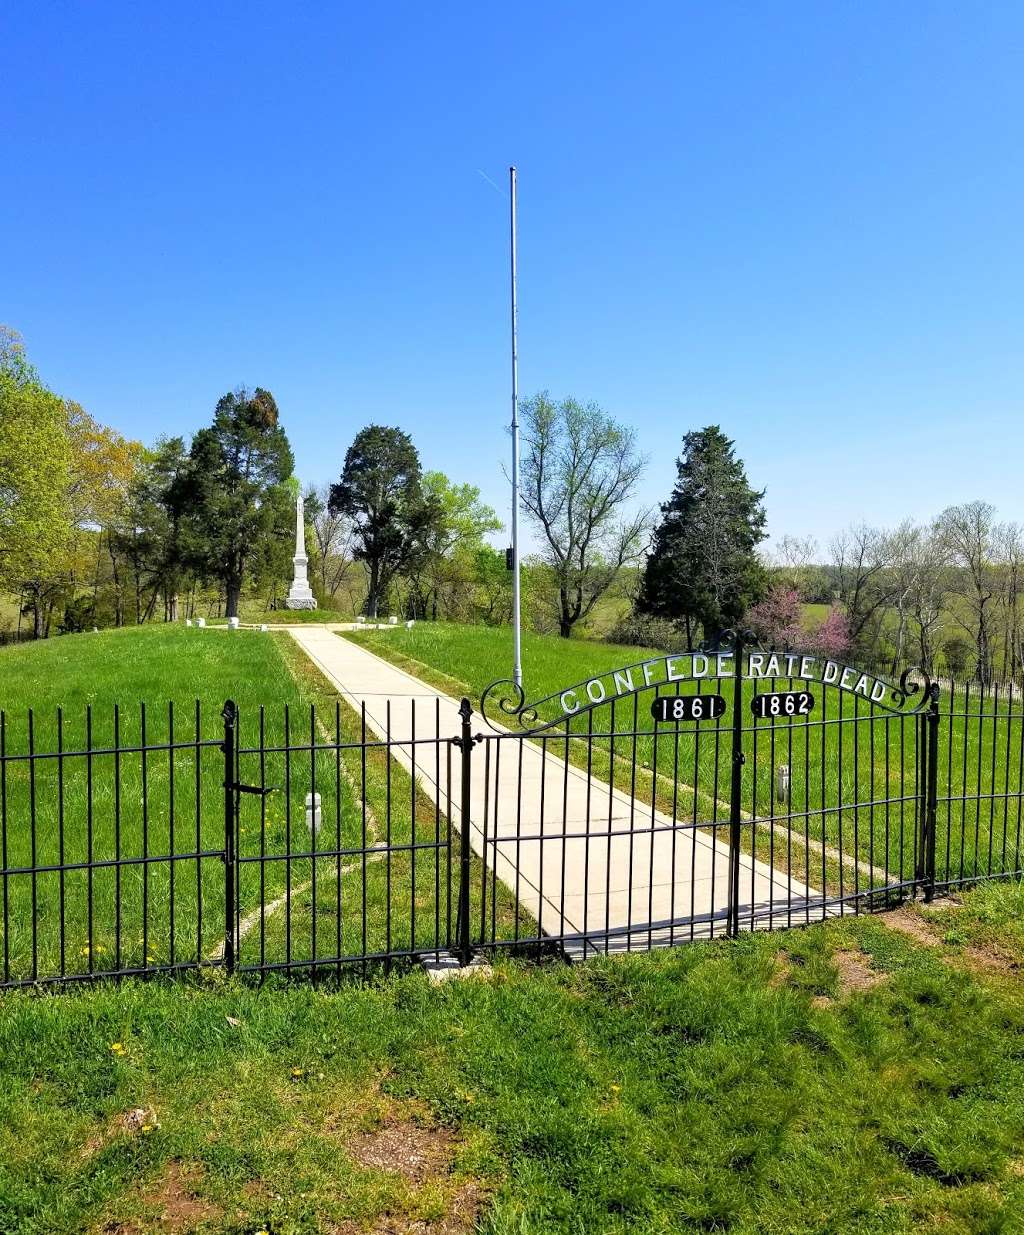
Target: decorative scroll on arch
{"type": "Point", "coordinates": [504, 704]}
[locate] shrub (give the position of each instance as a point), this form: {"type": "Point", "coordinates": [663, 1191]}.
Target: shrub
{"type": "Point", "coordinates": [638, 630]}
{"type": "Point", "coordinates": [776, 619]}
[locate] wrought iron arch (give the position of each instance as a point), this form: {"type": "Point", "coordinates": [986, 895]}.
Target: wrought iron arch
{"type": "Point", "coordinates": [504, 703]}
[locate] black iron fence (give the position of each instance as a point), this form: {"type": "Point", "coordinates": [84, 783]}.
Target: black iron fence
{"type": "Point", "coordinates": [609, 817]}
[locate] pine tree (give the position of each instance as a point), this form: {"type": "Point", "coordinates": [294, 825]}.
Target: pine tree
{"type": "Point", "coordinates": [239, 468]}
{"type": "Point", "coordinates": [703, 570]}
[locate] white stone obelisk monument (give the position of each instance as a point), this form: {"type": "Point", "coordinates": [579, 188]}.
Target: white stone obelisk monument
{"type": "Point", "coordinates": [300, 594]}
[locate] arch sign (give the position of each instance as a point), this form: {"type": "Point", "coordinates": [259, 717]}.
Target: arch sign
{"type": "Point", "coordinates": [703, 666]}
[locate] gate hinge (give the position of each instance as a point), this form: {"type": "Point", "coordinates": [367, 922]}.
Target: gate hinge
{"type": "Point", "coordinates": [739, 757]}
{"type": "Point", "coordinates": [469, 743]}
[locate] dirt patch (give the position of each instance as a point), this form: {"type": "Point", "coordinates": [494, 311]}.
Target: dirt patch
{"type": "Point", "coordinates": [179, 1207]}
{"type": "Point", "coordinates": [421, 1154]}
{"type": "Point", "coordinates": [172, 1201]}
{"type": "Point", "coordinates": [460, 1218]}
{"type": "Point", "coordinates": [855, 974]}
{"type": "Point", "coordinates": [409, 1149]}
{"type": "Point", "coordinates": [911, 924]}
{"type": "Point", "coordinates": [981, 959]}
{"type": "Point", "coordinates": [783, 970]}
{"type": "Point", "coordinates": [988, 960]}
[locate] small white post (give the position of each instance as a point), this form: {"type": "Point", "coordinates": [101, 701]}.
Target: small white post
{"type": "Point", "coordinates": [313, 812]}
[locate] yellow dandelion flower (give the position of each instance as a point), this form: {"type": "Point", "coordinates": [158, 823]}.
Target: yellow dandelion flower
{"type": "Point", "coordinates": [117, 1048]}
{"type": "Point", "coordinates": [297, 1072]}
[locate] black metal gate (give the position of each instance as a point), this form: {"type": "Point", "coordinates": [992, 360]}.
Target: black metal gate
{"type": "Point", "coordinates": [704, 793]}
{"type": "Point", "coordinates": [686, 796]}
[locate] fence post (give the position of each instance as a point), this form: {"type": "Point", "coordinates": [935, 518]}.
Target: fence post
{"type": "Point", "coordinates": [465, 744]}
{"type": "Point", "coordinates": [932, 801]}
{"type": "Point", "coordinates": [732, 928]}
{"type": "Point", "coordinates": [230, 716]}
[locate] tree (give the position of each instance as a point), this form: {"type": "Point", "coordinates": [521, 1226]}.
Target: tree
{"type": "Point", "coordinates": [968, 533]}
{"type": "Point", "coordinates": [862, 557]}
{"type": "Point", "coordinates": [832, 635]}
{"type": "Point", "coordinates": [492, 587]}
{"type": "Point", "coordinates": [796, 564]}
{"type": "Point", "coordinates": [35, 470]}
{"type": "Point", "coordinates": [580, 469]}
{"type": "Point", "coordinates": [239, 469]}
{"type": "Point", "coordinates": [452, 529]}
{"type": "Point", "coordinates": [380, 491]}
{"type": "Point", "coordinates": [332, 557]}
{"type": "Point", "coordinates": [776, 619]}
{"type": "Point", "coordinates": [703, 570]}
{"type": "Point", "coordinates": [154, 538]}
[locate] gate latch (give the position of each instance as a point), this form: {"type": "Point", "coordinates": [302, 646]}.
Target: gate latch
{"type": "Point", "coordinates": [739, 757]}
{"type": "Point", "coordinates": [260, 792]}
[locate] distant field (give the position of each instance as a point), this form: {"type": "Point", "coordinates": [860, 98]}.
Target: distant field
{"type": "Point", "coordinates": [852, 785]}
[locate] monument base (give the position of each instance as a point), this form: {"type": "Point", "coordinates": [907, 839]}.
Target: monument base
{"type": "Point", "coordinates": [300, 602]}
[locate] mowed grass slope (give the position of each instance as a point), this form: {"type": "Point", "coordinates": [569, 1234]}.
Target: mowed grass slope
{"type": "Point", "coordinates": [852, 785]}
{"type": "Point", "coordinates": [163, 688]}
{"type": "Point", "coordinates": [845, 1078]}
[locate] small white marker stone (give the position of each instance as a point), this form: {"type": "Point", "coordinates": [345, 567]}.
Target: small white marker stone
{"type": "Point", "coordinates": [392, 620]}
{"type": "Point", "coordinates": [232, 623]}
{"type": "Point", "coordinates": [313, 812]}
{"type": "Point", "coordinates": [264, 627]}
{"type": "Point", "coordinates": [200, 622]}
{"type": "Point", "coordinates": [188, 621]}
{"type": "Point", "coordinates": [409, 625]}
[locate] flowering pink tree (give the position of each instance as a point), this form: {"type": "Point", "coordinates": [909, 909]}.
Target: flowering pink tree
{"type": "Point", "coordinates": [776, 620]}
{"type": "Point", "coordinates": [832, 637]}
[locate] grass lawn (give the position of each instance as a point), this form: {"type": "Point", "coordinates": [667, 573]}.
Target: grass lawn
{"type": "Point", "coordinates": [845, 1078]}
{"type": "Point", "coordinates": [122, 803]}
{"type": "Point", "coordinates": [284, 617]}
{"type": "Point", "coordinates": [852, 786]}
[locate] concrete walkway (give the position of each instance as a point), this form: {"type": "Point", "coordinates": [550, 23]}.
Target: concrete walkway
{"type": "Point", "coordinates": [596, 866]}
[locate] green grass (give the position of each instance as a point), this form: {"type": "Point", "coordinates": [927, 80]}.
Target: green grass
{"type": "Point", "coordinates": [852, 786]}
{"type": "Point", "coordinates": [283, 617]}
{"type": "Point", "coordinates": [121, 803]}
{"type": "Point", "coordinates": [737, 1087]}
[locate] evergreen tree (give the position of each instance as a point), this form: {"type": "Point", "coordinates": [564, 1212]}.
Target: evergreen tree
{"type": "Point", "coordinates": [239, 468]}
{"type": "Point", "coordinates": [703, 570]}
{"type": "Point", "coordinates": [381, 492]}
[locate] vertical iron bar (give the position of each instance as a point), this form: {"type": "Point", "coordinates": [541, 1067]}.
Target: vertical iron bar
{"type": "Point", "coordinates": [465, 852]}
{"type": "Point", "coordinates": [230, 717]}
{"type": "Point", "coordinates": [736, 789]}
{"type": "Point", "coordinates": [931, 809]}
{"type": "Point", "coordinates": [171, 858]}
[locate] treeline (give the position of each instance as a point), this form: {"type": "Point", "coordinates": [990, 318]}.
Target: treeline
{"type": "Point", "coordinates": [98, 530]}
{"type": "Point", "coordinates": [947, 595]}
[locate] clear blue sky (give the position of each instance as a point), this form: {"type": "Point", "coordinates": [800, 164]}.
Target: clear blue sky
{"type": "Point", "coordinates": [802, 221]}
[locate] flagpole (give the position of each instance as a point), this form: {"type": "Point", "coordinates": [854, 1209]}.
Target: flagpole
{"type": "Point", "coordinates": [517, 650]}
